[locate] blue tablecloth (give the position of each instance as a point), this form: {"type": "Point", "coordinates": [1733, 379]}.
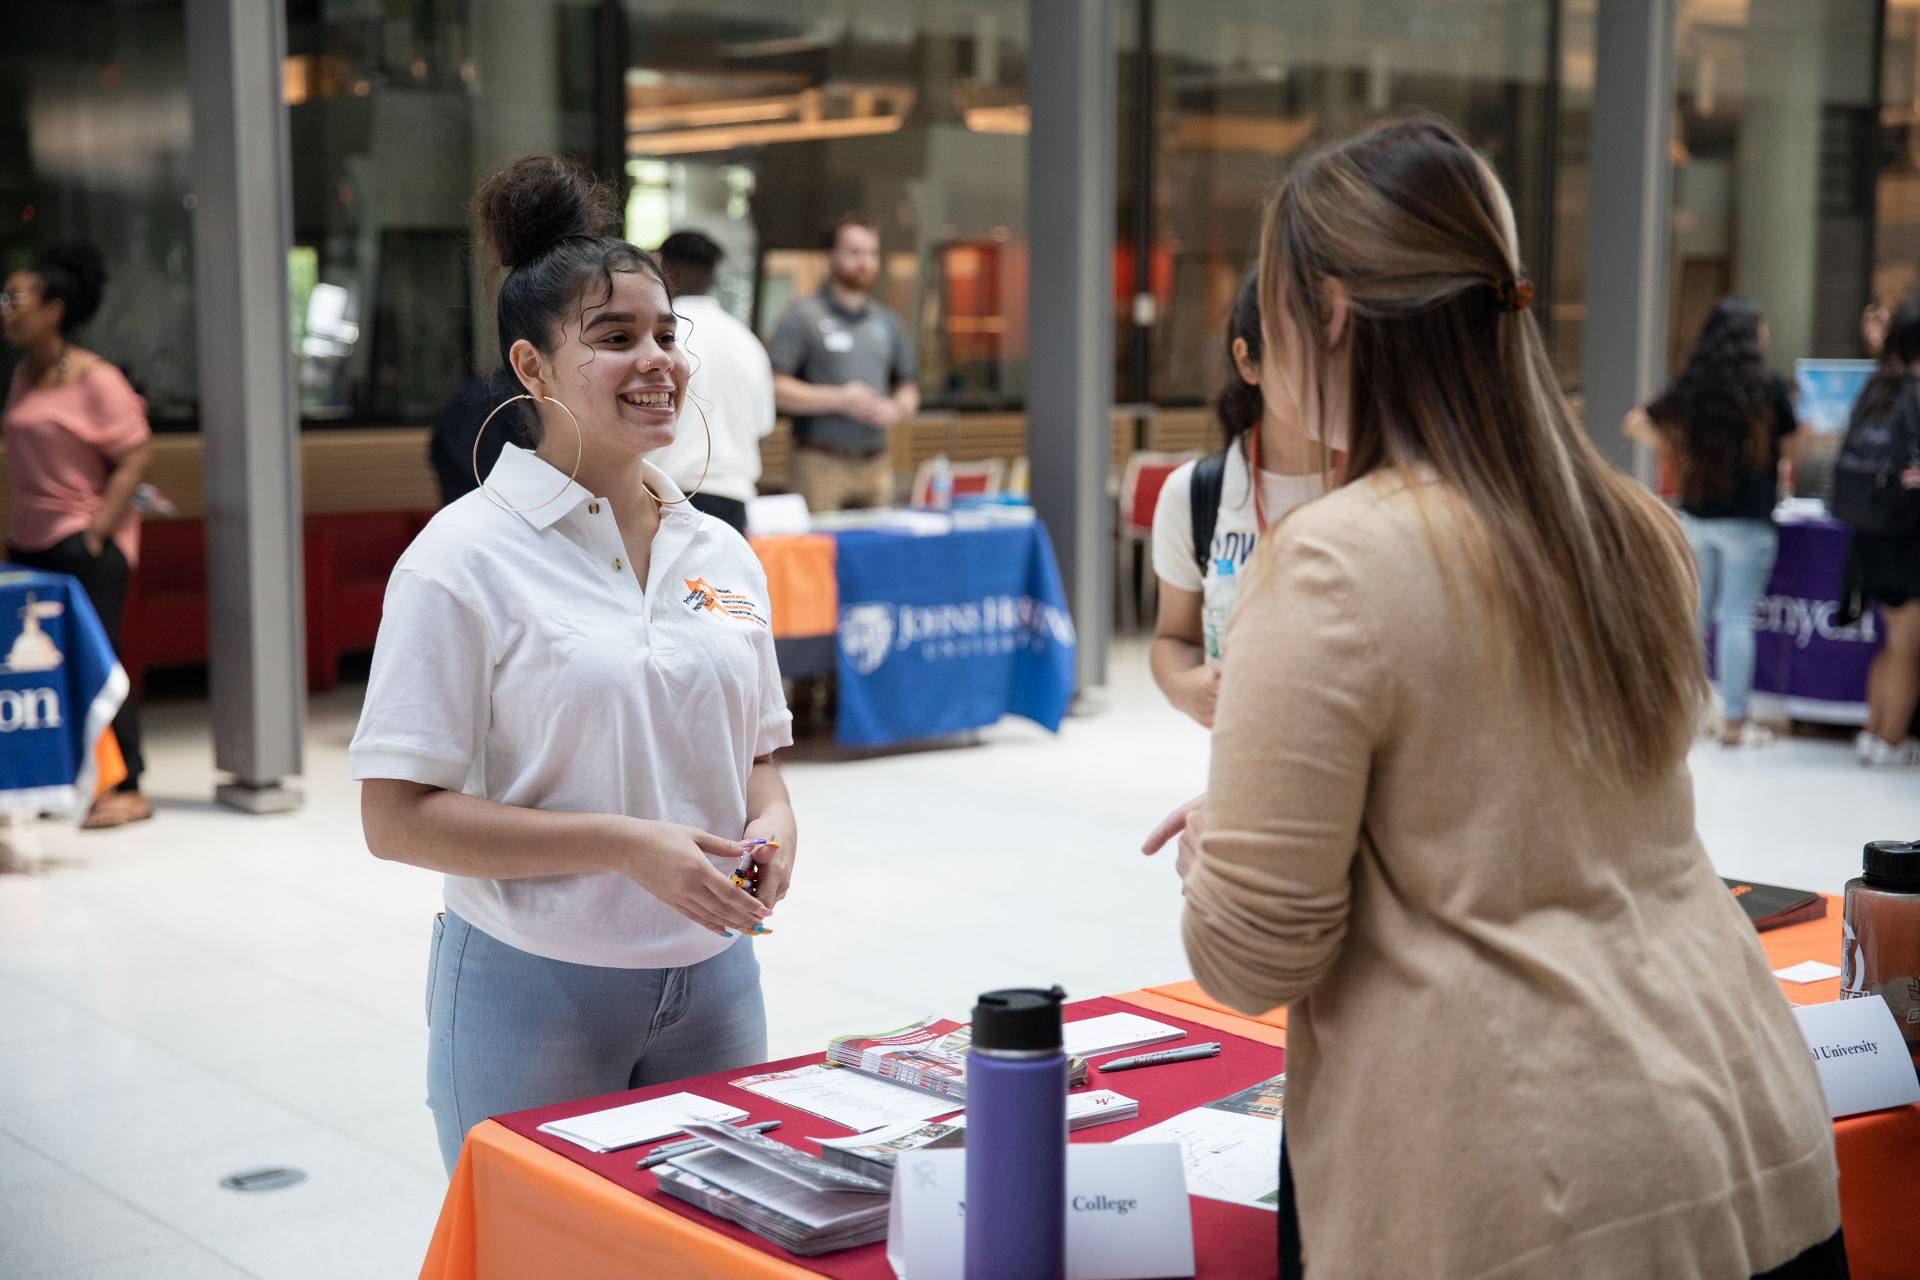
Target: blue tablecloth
{"type": "Point", "coordinates": [60, 686]}
{"type": "Point", "coordinates": [1807, 665]}
{"type": "Point", "coordinates": [944, 633]}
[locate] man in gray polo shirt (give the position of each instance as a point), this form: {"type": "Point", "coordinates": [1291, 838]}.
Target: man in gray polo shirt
{"type": "Point", "coordinates": [843, 370]}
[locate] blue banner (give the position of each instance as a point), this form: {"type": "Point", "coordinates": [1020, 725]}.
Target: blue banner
{"type": "Point", "coordinates": [60, 686]}
{"type": "Point", "coordinates": [943, 634]}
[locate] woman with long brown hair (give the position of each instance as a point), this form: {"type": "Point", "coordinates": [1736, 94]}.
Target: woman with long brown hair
{"type": "Point", "coordinates": [1449, 821]}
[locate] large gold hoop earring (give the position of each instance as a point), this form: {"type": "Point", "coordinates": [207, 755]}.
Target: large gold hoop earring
{"type": "Point", "coordinates": [705, 467]}
{"type": "Point", "coordinates": [579, 451]}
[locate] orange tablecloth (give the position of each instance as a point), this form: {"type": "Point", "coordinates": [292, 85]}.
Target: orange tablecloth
{"type": "Point", "coordinates": [515, 1209]}
{"type": "Point", "coordinates": [1879, 1153]}
{"type": "Point", "coordinates": [803, 594]}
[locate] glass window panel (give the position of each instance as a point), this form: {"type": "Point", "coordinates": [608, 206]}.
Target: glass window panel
{"type": "Point", "coordinates": [1897, 164]}
{"type": "Point", "coordinates": [1773, 189]}
{"type": "Point", "coordinates": [1243, 87]}
{"type": "Point", "coordinates": [761, 121]}
{"type": "Point", "coordinates": [397, 112]}
{"type": "Point", "coordinates": [96, 137]}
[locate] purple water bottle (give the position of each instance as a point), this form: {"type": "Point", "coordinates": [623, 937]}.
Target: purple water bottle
{"type": "Point", "coordinates": [1017, 1138]}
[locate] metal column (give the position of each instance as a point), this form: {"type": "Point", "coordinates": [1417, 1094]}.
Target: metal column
{"type": "Point", "coordinates": [249, 432]}
{"type": "Point", "coordinates": [1628, 218]}
{"type": "Point", "coordinates": [1070, 216]}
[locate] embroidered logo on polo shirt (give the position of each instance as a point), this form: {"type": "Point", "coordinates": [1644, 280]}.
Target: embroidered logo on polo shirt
{"type": "Point", "coordinates": [704, 597]}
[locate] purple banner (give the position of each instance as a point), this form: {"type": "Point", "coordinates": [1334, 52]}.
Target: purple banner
{"type": "Point", "coordinates": [1803, 655]}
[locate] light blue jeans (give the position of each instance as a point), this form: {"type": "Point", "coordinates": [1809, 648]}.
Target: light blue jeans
{"type": "Point", "coordinates": [509, 1030]}
{"type": "Point", "coordinates": [1736, 560]}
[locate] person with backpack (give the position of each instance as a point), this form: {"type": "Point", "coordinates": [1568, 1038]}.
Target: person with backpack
{"type": "Point", "coordinates": [1211, 515]}
{"type": "Point", "coordinates": [1724, 426]}
{"type": "Point", "coordinates": [1876, 492]}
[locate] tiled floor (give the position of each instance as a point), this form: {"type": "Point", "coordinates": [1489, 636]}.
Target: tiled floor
{"type": "Point", "coordinates": [209, 992]}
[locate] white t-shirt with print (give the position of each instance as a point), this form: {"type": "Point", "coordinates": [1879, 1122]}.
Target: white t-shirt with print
{"type": "Point", "coordinates": [521, 660]}
{"type": "Point", "coordinates": [1235, 529]}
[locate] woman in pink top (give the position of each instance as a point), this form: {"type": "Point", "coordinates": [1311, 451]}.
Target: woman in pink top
{"type": "Point", "coordinates": [77, 441]}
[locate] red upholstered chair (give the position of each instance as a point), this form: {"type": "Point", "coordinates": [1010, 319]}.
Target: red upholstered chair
{"type": "Point", "coordinates": [164, 623]}
{"type": "Point", "coordinates": [348, 560]}
{"type": "Point", "coordinates": [976, 479]}
{"type": "Point", "coordinates": [345, 559]}
{"type": "Point", "coordinates": [1140, 484]}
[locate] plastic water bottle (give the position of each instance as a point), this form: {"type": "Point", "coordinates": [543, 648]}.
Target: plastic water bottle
{"type": "Point", "coordinates": [940, 485]}
{"type": "Point", "coordinates": [1217, 612]}
{"type": "Point", "coordinates": [1017, 1138]}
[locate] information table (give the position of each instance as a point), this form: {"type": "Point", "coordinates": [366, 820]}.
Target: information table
{"type": "Point", "coordinates": [516, 1206]}
{"type": "Point", "coordinates": [929, 630]}
{"type": "Point", "coordinates": [1806, 665]}
{"type": "Point", "coordinates": [60, 686]}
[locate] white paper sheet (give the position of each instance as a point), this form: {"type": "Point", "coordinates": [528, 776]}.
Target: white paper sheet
{"type": "Point", "coordinates": [1113, 1032]}
{"type": "Point", "coordinates": [1808, 971]}
{"type": "Point", "coordinates": [846, 1097]}
{"type": "Point", "coordinates": [1229, 1156]}
{"type": "Point", "coordinates": [638, 1122]}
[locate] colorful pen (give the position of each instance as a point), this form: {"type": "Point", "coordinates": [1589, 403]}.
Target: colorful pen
{"type": "Point", "coordinates": [747, 873]}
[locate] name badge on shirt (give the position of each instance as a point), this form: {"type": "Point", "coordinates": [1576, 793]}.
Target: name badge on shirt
{"type": "Point", "coordinates": [838, 341]}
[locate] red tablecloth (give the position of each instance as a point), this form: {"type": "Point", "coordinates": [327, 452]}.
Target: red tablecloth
{"type": "Point", "coordinates": [1229, 1240]}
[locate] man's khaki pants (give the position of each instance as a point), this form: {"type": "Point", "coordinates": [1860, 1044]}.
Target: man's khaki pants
{"type": "Point", "coordinates": [836, 482]}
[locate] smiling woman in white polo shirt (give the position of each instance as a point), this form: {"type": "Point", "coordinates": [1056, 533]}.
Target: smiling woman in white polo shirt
{"type": "Point", "coordinates": [574, 705]}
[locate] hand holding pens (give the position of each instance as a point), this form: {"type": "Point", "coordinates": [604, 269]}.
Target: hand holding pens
{"type": "Point", "coordinates": [747, 874]}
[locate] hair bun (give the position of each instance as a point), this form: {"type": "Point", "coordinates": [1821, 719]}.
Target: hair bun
{"type": "Point", "coordinates": [531, 204]}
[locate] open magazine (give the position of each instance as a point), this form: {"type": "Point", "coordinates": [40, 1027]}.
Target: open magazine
{"type": "Point", "coordinates": [929, 1055]}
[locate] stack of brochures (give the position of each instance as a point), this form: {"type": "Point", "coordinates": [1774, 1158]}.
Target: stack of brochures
{"type": "Point", "coordinates": [874, 1152]}
{"type": "Point", "coordinates": [802, 1203]}
{"type": "Point", "coordinates": [930, 1055]}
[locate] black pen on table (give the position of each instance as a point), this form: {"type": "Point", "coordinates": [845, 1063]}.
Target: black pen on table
{"type": "Point", "coordinates": [660, 1155]}
{"type": "Point", "coordinates": [1185, 1054]}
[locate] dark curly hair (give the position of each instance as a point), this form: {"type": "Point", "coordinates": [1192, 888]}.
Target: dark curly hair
{"type": "Point", "coordinates": [1239, 406]}
{"type": "Point", "coordinates": [72, 273]}
{"type": "Point", "coordinates": [550, 224]}
{"type": "Point", "coordinates": [1717, 416]}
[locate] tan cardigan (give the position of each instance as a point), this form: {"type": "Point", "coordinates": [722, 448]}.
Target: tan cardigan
{"type": "Point", "coordinates": [1530, 1034]}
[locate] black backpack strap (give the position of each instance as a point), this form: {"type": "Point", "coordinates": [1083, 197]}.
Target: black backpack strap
{"type": "Point", "coordinates": [1208, 482]}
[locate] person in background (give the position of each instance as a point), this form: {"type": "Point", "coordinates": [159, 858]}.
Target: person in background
{"type": "Point", "coordinates": [1449, 821]}
{"type": "Point", "coordinates": [731, 385]}
{"type": "Point", "coordinates": [1884, 568]}
{"type": "Point", "coordinates": [574, 705]}
{"type": "Point", "coordinates": [450, 448]}
{"type": "Point", "coordinates": [77, 444]}
{"type": "Point", "coordinates": [1724, 426]}
{"type": "Point", "coordinates": [1197, 584]}
{"type": "Point", "coordinates": [843, 370]}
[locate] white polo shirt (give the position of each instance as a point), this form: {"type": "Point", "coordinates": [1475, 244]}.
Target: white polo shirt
{"type": "Point", "coordinates": [520, 659]}
{"type": "Point", "coordinates": [733, 379]}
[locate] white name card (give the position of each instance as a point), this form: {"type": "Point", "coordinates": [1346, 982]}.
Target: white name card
{"type": "Point", "coordinates": [1128, 1217]}
{"type": "Point", "coordinates": [1863, 1061]}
